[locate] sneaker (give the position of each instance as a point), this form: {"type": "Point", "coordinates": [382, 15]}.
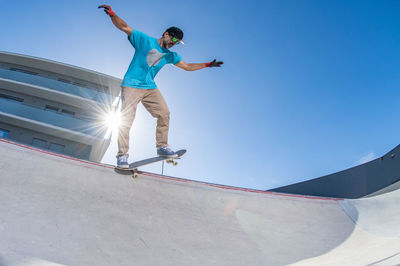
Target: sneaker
{"type": "Point", "coordinates": [166, 152]}
{"type": "Point", "coordinates": [122, 161]}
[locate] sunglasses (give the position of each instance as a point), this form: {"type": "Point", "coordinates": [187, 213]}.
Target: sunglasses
{"type": "Point", "coordinates": [176, 40]}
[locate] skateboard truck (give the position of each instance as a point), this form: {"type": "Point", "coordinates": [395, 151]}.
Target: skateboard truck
{"type": "Point", "coordinates": [174, 163]}
{"type": "Point", "coordinates": [133, 167]}
{"type": "Point", "coordinates": [135, 173]}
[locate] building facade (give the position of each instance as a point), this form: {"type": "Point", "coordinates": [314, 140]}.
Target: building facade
{"type": "Point", "coordinates": [55, 106]}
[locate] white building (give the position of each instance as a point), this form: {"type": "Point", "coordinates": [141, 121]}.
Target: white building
{"type": "Point", "coordinates": [55, 106]}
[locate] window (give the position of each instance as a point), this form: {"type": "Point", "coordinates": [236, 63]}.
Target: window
{"type": "Point", "coordinates": [67, 112]}
{"type": "Point", "coordinates": [40, 143]}
{"type": "Point", "coordinates": [51, 108]}
{"type": "Point", "coordinates": [77, 83]}
{"type": "Point", "coordinates": [4, 133]}
{"type": "Point", "coordinates": [11, 98]}
{"type": "Point", "coordinates": [64, 80]}
{"type": "Point", "coordinates": [57, 147]}
{"type": "Point", "coordinates": [23, 71]}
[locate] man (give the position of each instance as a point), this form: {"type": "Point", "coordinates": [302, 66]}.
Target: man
{"type": "Point", "coordinates": [138, 85]}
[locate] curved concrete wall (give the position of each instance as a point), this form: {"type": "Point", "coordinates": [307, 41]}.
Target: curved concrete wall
{"type": "Point", "coordinates": [62, 211]}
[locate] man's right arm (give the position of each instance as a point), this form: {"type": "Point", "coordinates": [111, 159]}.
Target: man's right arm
{"type": "Point", "coordinates": [121, 24]}
{"type": "Point", "coordinates": [117, 21]}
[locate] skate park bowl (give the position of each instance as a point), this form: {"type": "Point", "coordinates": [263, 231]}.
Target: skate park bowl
{"type": "Point", "coordinates": [58, 210]}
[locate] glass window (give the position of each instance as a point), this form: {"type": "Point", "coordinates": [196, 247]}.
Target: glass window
{"type": "Point", "coordinates": [4, 133]}
{"type": "Point", "coordinates": [57, 147]}
{"type": "Point", "coordinates": [64, 80]}
{"type": "Point", "coordinates": [11, 98]}
{"type": "Point", "coordinates": [23, 71]}
{"type": "Point", "coordinates": [40, 143]}
{"type": "Point", "coordinates": [67, 112]}
{"type": "Point", "coordinates": [51, 108]}
{"type": "Point", "coordinates": [77, 83]}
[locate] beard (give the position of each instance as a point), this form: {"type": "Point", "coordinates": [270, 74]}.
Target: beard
{"type": "Point", "coordinates": [167, 44]}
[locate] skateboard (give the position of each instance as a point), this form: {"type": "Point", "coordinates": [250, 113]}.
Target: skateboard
{"type": "Point", "coordinates": [133, 167]}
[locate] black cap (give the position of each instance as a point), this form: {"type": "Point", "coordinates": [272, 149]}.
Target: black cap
{"type": "Point", "coordinates": [175, 32]}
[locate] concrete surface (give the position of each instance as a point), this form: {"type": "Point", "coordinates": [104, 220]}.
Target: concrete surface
{"type": "Point", "coordinates": [56, 210]}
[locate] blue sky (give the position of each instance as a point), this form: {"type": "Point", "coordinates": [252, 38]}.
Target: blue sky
{"type": "Point", "coordinates": [308, 87]}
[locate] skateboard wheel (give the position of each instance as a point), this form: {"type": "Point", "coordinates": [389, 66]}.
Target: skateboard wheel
{"type": "Point", "coordinates": [135, 175]}
{"type": "Point", "coordinates": [175, 163]}
{"type": "Point", "coordinates": [169, 161]}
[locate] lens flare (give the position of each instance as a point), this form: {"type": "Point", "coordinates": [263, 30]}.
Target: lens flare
{"type": "Point", "coordinates": [113, 119]}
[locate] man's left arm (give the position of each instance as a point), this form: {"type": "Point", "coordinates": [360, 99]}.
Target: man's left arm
{"type": "Point", "coordinates": [197, 66]}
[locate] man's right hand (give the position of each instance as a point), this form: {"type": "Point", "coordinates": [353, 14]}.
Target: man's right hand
{"type": "Point", "coordinates": [108, 10]}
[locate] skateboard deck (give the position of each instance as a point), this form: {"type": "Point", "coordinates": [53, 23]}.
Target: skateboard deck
{"type": "Point", "coordinates": [133, 167]}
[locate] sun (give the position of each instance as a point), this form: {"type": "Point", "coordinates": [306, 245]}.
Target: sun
{"type": "Point", "coordinates": [112, 120]}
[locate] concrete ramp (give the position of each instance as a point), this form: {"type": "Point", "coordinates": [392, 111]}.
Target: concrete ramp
{"type": "Point", "coordinates": [56, 210]}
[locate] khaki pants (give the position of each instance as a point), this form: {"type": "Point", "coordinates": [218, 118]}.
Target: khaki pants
{"type": "Point", "coordinates": [154, 103]}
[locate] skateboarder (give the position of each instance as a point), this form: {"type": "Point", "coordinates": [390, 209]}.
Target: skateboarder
{"type": "Point", "coordinates": [138, 85]}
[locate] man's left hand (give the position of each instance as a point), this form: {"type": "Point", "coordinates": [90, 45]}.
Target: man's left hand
{"type": "Point", "coordinates": [214, 63]}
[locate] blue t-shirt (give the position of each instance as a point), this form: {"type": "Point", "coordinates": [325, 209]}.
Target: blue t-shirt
{"type": "Point", "coordinates": [149, 58]}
